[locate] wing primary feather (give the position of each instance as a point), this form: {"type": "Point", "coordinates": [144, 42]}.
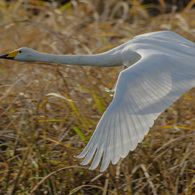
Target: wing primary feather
{"type": "Point", "coordinates": [93, 142]}
{"type": "Point", "coordinates": [124, 132]}
{"type": "Point", "coordinates": [89, 155]}
{"type": "Point", "coordinates": [87, 147]}
{"type": "Point", "coordinates": [107, 147]}
{"type": "Point", "coordinates": [103, 143]}
{"type": "Point", "coordinates": [97, 143]}
{"type": "Point", "coordinates": [115, 154]}
{"type": "Point", "coordinates": [127, 137]}
{"type": "Point", "coordinates": [118, 139]}
{"type": "Point", "coordinates": [97, 158]}
{"type": "Point", "coordinates": [135, 135]}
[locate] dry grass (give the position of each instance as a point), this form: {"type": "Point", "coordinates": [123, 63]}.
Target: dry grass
{"type": "Point", "coordinates": [40, 134]}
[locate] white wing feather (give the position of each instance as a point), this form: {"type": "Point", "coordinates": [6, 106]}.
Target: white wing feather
{"type": "Point", "coordinates": [143, 91]}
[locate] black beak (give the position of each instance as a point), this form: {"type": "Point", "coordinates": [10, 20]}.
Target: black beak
{"type": "Point", "coordinates": [5, 57]}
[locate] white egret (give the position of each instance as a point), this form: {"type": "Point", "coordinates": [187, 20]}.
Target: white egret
{"type": "Point", "coordinates": [160, 68]}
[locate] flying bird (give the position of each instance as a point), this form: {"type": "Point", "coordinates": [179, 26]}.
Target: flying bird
{"type": "Point", "coordinates": [160, 67]}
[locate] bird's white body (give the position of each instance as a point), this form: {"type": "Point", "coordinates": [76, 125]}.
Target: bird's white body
{"type": "Point", "coordinates": [161, 67]}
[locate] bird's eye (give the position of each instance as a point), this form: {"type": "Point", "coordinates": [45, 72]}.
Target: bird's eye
{"type": "Point", "coordinates": [20, 51]}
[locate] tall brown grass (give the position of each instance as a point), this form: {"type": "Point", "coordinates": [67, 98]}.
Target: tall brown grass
{"type": "Point", "coordinates": [41, 133]}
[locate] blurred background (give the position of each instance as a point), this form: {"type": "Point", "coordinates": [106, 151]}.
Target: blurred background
{"type": "Point", "coordinates": [49, 112]}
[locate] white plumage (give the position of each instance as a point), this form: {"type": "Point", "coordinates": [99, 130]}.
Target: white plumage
{"type": "Point", "coordinates": [161, 67]}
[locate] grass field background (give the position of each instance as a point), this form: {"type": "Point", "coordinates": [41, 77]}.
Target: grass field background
{"type": "Point", "coordinates": [41, 130]}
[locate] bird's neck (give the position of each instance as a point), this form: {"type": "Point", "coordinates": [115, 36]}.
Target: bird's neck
{"type": "Point", "coordinates": [104, 59]}
{"type": "Point", "coordinates": [119, 56]}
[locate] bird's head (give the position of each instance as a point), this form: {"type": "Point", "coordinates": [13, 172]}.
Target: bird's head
{"type": "Point", "coordinates": [22, 54]}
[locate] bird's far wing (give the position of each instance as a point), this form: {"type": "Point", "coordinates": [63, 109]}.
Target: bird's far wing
{"type": "Point", "coordinates": [143, 91]}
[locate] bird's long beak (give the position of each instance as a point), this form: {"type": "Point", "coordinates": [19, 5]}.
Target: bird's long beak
{"type": "Point", "coordinates": [10, 55]}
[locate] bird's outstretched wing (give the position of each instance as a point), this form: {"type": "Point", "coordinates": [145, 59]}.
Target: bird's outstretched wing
{"type": "Point", "coordinates": [143, 91]}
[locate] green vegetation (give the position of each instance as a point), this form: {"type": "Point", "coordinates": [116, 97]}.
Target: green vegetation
{"type": "Point", "coordinates": [40, 134]}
